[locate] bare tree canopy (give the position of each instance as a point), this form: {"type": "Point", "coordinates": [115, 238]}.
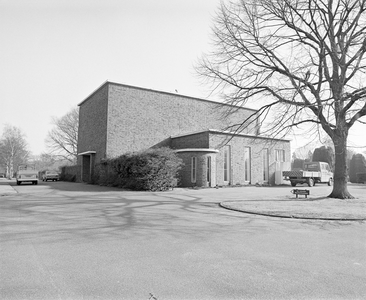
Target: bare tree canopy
{"type": "Point", "coordinates": [13, 149]}
{"type": "Point", "coordinates": [62, 139]}
{"type": "Point", "coordinates": [303, 60]}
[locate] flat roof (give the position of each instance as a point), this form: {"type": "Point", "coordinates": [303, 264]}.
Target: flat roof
{"type": "Point", "coordinates": [207, 150]}
{"type": "Point", "coordinates": [161, 92]}
{"type": "Point", "coordinates": [216, 131]}
{"type": "Point", "coordinates": [87, 153]}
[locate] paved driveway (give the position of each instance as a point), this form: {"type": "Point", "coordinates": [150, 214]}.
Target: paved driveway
{"type": "Point", "coordinates": [74, 241]}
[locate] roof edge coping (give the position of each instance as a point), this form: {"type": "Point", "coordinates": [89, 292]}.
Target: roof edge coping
{"type": "Point", "coordinates": [208, 150]}
{"type": "Point", "coordinates": [87, 153]}
{"type": "Point", "coordinates": [166, 93]}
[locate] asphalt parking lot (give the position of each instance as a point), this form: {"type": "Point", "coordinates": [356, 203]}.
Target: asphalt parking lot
{"type": "Point", "coordinates": [75, 241]}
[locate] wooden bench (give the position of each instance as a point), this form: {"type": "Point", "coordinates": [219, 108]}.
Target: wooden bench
{"type": "Point", "coordinates": [298, 192]}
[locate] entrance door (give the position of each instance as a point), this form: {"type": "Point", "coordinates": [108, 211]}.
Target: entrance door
{"type": "Point", "coordinates": [85, 175]}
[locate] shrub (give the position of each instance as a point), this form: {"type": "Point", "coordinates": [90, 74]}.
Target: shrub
{"type": "Point", "coordinates": [70, 173]}
{"type": "Point", "coordinates": [357, 165]}
{"type": "Point", "coordinates": [104, 174]}
{"type": "Point", "coordinates": [361, 177]}
{"type": "Point", "coordinates": [324, 154]}
{"type": "Point", "coordinates": [298, 164]}
{"type": "Point", "coordinates": [152, 169]}
{"type": "Point", "coordinates": [68, 177]}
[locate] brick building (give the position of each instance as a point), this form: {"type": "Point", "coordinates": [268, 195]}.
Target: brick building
{"type": "Point", "coordinates": [118, 118]}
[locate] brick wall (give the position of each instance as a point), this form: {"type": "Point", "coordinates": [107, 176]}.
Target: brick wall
{"type": "Point", "coordinates": [256, 146]}
{"type": "Point", "coordinates": [201, 169]}
{"type": "Point", "coordinates": [93, 124]}
{"type": "Point", "coordinates": [117, 119]}
{"type": "Point", "coordinates": [198, 140]}
{"type": "Point", "coordinates": [140, 118]}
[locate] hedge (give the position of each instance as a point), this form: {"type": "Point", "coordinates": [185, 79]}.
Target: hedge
{"type": "Point", "coordinates": [361, 177]}
{"type": "Point", "coordinates": [357, 165]}
{"type": "Point", "coordinates": [150, 170]}
{"type": "Point", "coordinates": [70, 173]}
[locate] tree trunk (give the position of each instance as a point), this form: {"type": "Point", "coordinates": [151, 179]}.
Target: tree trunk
{"type": "Point", "coordinates": [340, 190]}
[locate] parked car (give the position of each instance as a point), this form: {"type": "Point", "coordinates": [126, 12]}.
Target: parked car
{"type": "Point", "coordinates": [50, 175]}
{"type": "Point", "coordinates": [27, 173]}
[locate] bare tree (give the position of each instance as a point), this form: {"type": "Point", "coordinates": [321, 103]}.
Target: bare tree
{"type": "Point", "coordinates": [62, 139]}
{"type": "Point", "coordinates": [305, 152]}
{"type": "Point", "coordinates": [13, 149]}
{"type": "Point", "coordinates": [302, 60]}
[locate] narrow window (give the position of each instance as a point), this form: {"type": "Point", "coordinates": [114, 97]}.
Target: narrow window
{"type": "Point", "coordinates": [280, 155]}
{"type": "Point", "coordinates": [208, 169]}
{"type": "Point", "coordinates": [247, 170]}
{"type": "Point", "coordinates": [265, 164]}
{"type": "Point", "coordinates": [226, 164]}
{"type": "Point", "coordinates": [193, 169]}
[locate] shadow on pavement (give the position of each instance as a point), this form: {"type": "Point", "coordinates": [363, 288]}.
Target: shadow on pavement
{"type": "Point", "coordinates": [56, 217]}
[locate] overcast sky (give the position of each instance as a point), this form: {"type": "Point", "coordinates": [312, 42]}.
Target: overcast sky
{"type": "Point", "coordinates": [54, 53]}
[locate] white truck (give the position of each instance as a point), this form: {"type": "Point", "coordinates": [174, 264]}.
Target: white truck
{"type": "Point", "coordinates": [313, 172]}
{"type": "Point", "coordinates": [27, 173]}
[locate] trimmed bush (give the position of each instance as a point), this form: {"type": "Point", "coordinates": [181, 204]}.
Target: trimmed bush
{"type": "Point", "coordinates": [324, 154]}
{"type": "Point", "coordinates": [298, 164]}
{"type": "Point", "coordinates": [151, 170]}
{"type": "Point", "coordinates": [357, 165]}
{"type": "Point", "coordinates": [361, 177]}
{"type": "Point", "coordinates": [70, 173]}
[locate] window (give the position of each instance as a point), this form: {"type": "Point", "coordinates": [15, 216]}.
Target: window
{"type": "Point", "coordinates": [226, 164]}
{"type": "Point", "coordinates": [311, 167]}
{"type": "Point", "coordinates": [193, 169]}
{"type": "Point", "coordinates": [247, 164]}
{"type": "Point", "coordinates": [280, 155]}
{"type": "Point", "coordinates": [265, 164]}
{"type": "Point", "coordinates": [208, 169]}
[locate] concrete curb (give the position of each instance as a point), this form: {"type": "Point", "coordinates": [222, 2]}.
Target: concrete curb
{"type": "Point", "coordinates": [287, 215]}
{"type": "Point", "coordinates": [6, 190]}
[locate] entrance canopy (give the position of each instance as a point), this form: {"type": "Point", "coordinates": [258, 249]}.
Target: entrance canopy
{"type": "Point", "coordinates": [87, 153]}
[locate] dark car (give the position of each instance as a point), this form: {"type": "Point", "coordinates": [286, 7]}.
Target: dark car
{"type": "Point", "coordinates": [50, 175]}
